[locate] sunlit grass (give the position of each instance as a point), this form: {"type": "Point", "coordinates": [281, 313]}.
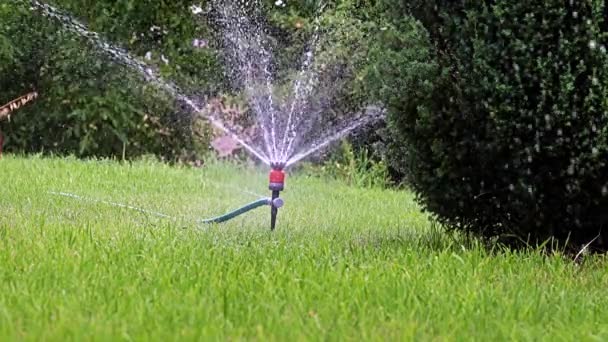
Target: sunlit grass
{"type": "Point", "coordinates": [344, 263]}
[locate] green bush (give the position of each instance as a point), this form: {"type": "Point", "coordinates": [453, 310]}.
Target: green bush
{"type": "Point", "coordinates": [507, 134]}
{"type": "Point", "coordinates": [401, 74]}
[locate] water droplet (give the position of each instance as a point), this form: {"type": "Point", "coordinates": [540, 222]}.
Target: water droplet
{"type": "Point", "coordinates": [164, 59]}
{"type": "Point", "coordinates": [200, 43]}
{"type": "Point", "coordinates": [196, 9]}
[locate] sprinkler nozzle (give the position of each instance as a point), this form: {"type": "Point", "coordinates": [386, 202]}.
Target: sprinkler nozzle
{"type": "Point", "coordinates": [277, 165]}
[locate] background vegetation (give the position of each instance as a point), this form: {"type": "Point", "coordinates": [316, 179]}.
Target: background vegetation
{"type": "Point", "coordinates": [92, 106]}
{"type": "Point", "coordinates": [497, 109]}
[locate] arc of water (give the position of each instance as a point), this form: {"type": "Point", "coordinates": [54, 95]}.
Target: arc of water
{"type": "Point", "coordinates": [298, 96]}
{"type": "Point", "coordinates": [265, 61]}
{"type": "Point", "coordinates": [246, 69]}
{"type": "Point", "coordinates": [121, 55]}
{"type": "Point", "coordinates": [371, 114]}
{"type": "Point", "coordinates": [269, 89]}
{"type": "Point", "coordinates": [258, 109]}
{"type": "Point", "coordinates": [246, 51]}
{"type": "Point", "coordinates": [273, 122]}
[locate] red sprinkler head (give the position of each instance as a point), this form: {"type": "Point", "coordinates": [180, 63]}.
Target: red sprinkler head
{"type": "Point", "coordinates": [276, 180]}
{"type": "Point", "coordinates": [276, 185]}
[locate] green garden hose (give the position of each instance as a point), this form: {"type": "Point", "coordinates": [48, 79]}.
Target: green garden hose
{"type": "Point", "coordinates": [277, 202]}
{"type": "Point", "coordinates": [237, 212]}
{"type": "Point", "coordinates": [276, 185]}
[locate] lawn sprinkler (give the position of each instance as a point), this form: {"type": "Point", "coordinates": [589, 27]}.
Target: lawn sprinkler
{"type": "Point", "coordinates": [276, 185]}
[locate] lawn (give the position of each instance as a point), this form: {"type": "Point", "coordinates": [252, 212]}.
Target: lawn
{"type": "Point", "coordinates": [344, 263]}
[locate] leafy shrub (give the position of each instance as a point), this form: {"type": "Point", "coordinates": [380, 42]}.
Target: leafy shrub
{"type": "Point", "coordinates": [400, 75]}
{"type": "Point", "coordinates": [506, 135]}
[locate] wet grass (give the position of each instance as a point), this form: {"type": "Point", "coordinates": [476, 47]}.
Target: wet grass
{"type": "Point", "coordinates": [344, 263]}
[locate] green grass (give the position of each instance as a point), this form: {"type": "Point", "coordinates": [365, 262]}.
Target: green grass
{"type": "Point", "coordinates": [344, 263]}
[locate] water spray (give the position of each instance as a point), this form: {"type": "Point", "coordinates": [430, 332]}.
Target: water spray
{"type": "Point", "coordinates": [288, 138]}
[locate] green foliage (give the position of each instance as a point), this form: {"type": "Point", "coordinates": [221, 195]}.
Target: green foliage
{"type": "Point", "coordinates": [7, 50]}
{"type": "Point", "coordinates": [401, 74]}
{"type": "Point", "coordinates": [507, 134]}
{"type": "Point", "coordinates": [354, 167]}
{"type": "Point", "coordinates": [90, 105]}
{"type": "Point", "coordinates": [340, 54]}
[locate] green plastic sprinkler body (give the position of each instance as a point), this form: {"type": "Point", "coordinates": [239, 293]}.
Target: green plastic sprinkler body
{"type": "Point", "coordinates": [276, 185]}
